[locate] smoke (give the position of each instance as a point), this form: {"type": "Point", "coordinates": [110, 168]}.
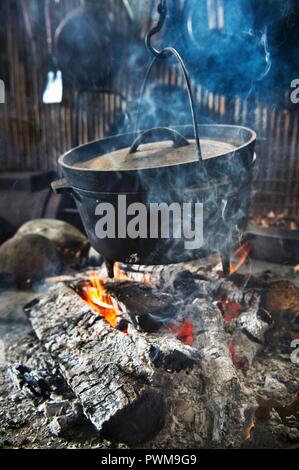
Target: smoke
{"type": "Point", "coordinates": [267, 55]}
{"type": "Point", "coordinates": [230, 47]}
{"type": "Point", "coordinates": [233, 50]}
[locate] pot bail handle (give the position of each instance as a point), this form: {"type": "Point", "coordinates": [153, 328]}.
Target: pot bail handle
{"type": "Point", "coordinates": [178, 139]}
{"type": "Point", "coordinates": [168, 51]}
{"type": "Point", "coordinates": [164, 54]}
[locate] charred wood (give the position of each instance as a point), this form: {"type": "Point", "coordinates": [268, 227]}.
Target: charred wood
{"type": "Point", "coordinates": [115, 376]}
{"type": "Point", "coordinates": [222, 389]}
{"type": "Point", "coordinates": [148, 308]}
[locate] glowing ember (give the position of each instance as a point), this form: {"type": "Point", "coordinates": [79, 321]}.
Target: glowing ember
{"type": "Point", "coordinates": [182, 331]}
{"type": "Point", "coordinates": [239, 257]}
{"type": "Point", "coordinates": [239, 362]}
{"type": "Point", "coordinates": [95, 294]}
{"type": "Point", "coordinates": [229, 309]}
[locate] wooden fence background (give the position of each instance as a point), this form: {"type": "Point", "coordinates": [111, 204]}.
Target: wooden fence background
{"type": "Point", "coordinates": [33, 135]}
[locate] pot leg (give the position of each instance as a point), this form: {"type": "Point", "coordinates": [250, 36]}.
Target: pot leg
{"type": "Point", "coordinates": [110, 268]}
{"type": "Point", "coordinates": [225, 264]}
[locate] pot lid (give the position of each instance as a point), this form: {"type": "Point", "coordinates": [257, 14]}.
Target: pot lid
{"type": "Point", "coordinates": [156, 155]}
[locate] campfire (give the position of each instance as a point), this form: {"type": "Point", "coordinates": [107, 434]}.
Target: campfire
{"type": "Point", "coordinates": [157, 336]}
{"type": "Point", "coordinates": [95, 291]}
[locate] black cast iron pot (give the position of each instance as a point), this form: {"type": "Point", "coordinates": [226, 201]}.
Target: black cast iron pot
{"type": "Point", "coordinates": [221, 184]}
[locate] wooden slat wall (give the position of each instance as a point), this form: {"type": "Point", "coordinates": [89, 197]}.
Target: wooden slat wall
{"type": "Point", "coordinates": [33, 135]}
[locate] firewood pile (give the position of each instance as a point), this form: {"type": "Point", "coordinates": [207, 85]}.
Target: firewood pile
{"type": "Point", "coordinates": [278, 220]}
{"type": "Point", "coordinates": [169, 356]}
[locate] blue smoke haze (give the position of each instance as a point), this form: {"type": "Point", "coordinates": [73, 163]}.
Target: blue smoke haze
{"type": "Point", "coordinates": [247, 48]}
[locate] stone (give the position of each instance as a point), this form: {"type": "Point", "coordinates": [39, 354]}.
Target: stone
{"type": "Point", "coordinates": [281, 296]}
{"type": "Point", "coordinates": [67, 416]}
{"type": "Point", "coordinates": [29, 259]}
{"type": "Point", "coordinates": [184, 411]}
{"type": "Point", "coordinates": [70, 243]}
{"type": "Point", "coordinates": [60, 424]}
{"type": "Point", "coordinates": [274, 388]}
{"type": "Point", "coordinates": [53, 409]}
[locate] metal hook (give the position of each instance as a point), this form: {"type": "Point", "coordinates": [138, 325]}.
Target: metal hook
{"type": "Point", "coordinates": [162, 10]}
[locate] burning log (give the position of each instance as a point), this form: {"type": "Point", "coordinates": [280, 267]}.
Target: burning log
{"type": "Point", "coordinates": [246, 320]}
{"type": "Point", "coordinates": [222, 388]}
{"type": "Point", "coordinates": [247, 327]}
{"type": "Point", "coordinates": [163, 276]}
{"type": "Point", "coordinates": [121, 374]}
{"type": "Point", "coordinates": [115, 376]}
{"type": "Point", "coordinates": [128, 381]}
{"type": "Point", "coordinates": [112, 386]}
{"type": "Point", "coordinates": [148, 308]}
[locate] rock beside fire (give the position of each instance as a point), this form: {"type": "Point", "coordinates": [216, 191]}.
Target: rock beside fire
{"type": "Point", "coordinates": [42, 248]}
{"type": "Point", "coordinates": [281, 296]}
{"type": "Point", "coordinates": [29, 259]}
{"type": "Point", "coordinates": [71, 245]}
{"type": "Point", "coordinates": [62, 416]}
{"type": "Point", "coordinates": [273, 387]}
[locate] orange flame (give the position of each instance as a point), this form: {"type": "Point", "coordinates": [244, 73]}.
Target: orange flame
{"type": "Point", "coordinates": [239, 257]}
{"type": "Point", "coordinates": [119, 274]}
{"type": "Point", "coordinates": [95, 294]}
